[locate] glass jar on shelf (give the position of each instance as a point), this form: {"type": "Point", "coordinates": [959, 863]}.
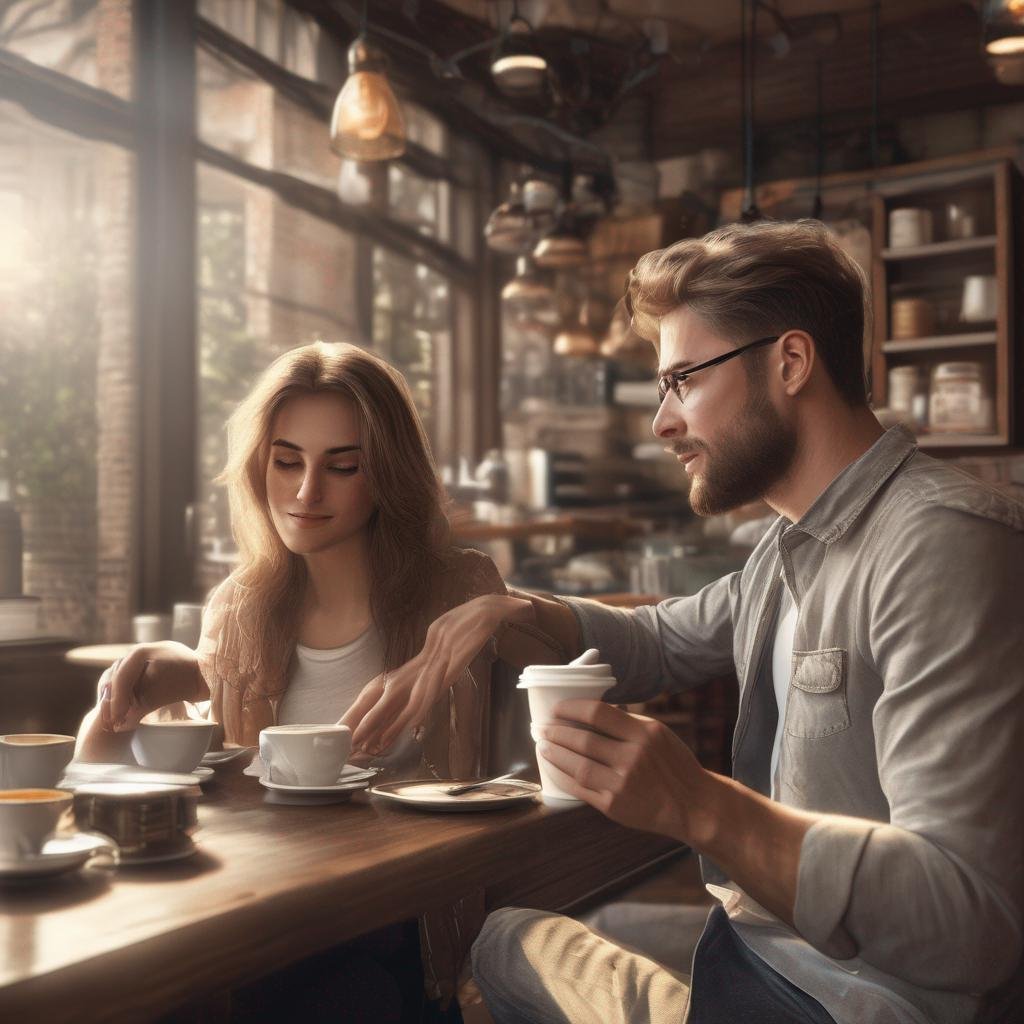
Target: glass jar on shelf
{"type": "Point", "coordinates": [960, 400]}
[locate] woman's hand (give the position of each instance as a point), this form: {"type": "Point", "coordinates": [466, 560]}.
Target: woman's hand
{"type": "Point", "coordinates": [400, 700]}
{"type": "Point", "coordinates": [148, 677]}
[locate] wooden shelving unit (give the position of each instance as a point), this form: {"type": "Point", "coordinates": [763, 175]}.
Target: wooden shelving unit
{"type": "Point", "coordinates": [992, 187]}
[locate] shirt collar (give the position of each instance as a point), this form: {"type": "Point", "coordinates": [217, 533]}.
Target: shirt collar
{"type": "Point", "coordinates": [839, 505]}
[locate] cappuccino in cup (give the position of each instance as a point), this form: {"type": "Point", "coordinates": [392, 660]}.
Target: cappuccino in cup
{"type": "Point", "coordinates": [28, 817]}
{"type": "Point", "coordinates": [177, 745]}
{"type": "Point", "coordinates": [305, 755]}
{"type": "Point", "coordinates": [33, 760]}
{"type": "Point", "coordinates": [547, 686]}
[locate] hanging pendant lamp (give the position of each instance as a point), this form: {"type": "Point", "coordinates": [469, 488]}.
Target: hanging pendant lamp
{"type": "Point", "coordinates": [563, 246]}
{"type": "Point", "coordinates": [509, 228]}
{"type": "Point", "coordinates": [518, 68]}
{"type": "Point", "coordinates": [528, 296]}
{"type": "Point", "coordinates": [1003, 27]}
{"type": "Point", "coordinates": [367, 122]}
{"type": "Point", "coordinates": [577, 339]}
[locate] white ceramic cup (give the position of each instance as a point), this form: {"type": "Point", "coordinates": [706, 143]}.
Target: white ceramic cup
{"type": "Point", "coordinates": [150, 629]}
{"type": "Point", "coordinates": [305, 755]}
{"type": "Point", "coordinates": [547, 686]}
{"type": "Point", "coordinates": [33, 760]}
{"type": "Point", "coordinates": [186, 624]}
{"type": "Point", "coordinates": [980, 299]}
{"type": "Point", "coordinates": [909, 227]}
{"type": "Point", "coordinates": [28, 818]}
{"type": "Point", "coordinates": [174, 746]}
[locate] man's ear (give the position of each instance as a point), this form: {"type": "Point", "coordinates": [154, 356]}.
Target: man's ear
{"type": "Point", "coordinates": [797, 358]}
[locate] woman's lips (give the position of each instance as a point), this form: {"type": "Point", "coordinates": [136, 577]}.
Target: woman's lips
{"type": "Point", "coordinates": [304, 521]}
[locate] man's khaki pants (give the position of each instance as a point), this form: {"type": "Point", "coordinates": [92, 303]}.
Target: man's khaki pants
{"type": "Point", "coordinates": [539, 968]}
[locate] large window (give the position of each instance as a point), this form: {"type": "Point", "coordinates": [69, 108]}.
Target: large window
{"type": "Point", "coordinates": [67, 398]}
{"type": "Point", "coordinates": [282, 260]}
{"type": "Point", "coordinates": [101, 372]}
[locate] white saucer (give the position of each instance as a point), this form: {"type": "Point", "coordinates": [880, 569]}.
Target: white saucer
{"type": "Point", "coordinates": [431, 795]}
{"type": "Point", "coordinates": [182, 848]}
{"type": "Point", "coordinates": [339, 796]}
{"type": "Point", "coordinates": [349, 782]}
{"type": "Point", "coordinates": [215, 758]}
{"type": "Point", "coordinates": [350, 773]}
{"type": "Point", "coordinates": [66, 853]}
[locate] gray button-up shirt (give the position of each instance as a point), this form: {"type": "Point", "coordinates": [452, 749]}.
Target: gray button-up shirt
{"type": "Point", "coordinates": [903, 726]}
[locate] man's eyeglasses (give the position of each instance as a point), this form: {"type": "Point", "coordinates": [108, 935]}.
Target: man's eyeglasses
{"type": "Point", "coordinates": [676, 380]}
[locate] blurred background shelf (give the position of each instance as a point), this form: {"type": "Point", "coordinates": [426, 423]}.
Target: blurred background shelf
{"type": "Point", "coordinates": [951, 247]}
{"type": "Point", "coordinates": [941, 341]}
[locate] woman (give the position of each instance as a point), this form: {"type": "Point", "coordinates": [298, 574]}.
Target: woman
{"type": "Point", "coordinates": [345, 560]}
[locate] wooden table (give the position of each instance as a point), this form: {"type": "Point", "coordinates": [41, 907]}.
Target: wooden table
{"type": "Point", "coordinates": [274, 884]}
{"type": "Point", "coordinates": [97, 655]}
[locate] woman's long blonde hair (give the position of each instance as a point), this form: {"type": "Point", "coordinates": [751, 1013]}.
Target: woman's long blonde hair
{"type": "Point", "coordinates": [409, 533]}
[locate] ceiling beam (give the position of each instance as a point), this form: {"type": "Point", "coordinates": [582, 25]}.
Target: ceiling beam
{"type": "Point", "coordinates": [929, 64]}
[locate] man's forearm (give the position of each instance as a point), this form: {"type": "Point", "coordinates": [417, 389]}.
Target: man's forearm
{"type": "Point", "coordinates": [754, 840]}
{"type": "Point", "coordinates": [554, 619]}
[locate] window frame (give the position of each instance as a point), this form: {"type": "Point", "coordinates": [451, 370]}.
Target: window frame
{"type": "Point", "coordinates": [158, 125]}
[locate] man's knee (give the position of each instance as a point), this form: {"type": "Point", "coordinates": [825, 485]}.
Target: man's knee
{"type": "Point", "coordinates": [501, 939]}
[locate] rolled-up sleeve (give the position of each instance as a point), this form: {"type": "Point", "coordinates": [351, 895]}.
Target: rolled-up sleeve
{"type": "Point", "coordinates": [667, 647]}
{"type": "Point", "coordinates": [934, 896]}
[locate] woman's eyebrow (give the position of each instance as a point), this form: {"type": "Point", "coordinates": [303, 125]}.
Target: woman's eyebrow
{"type": "Point", "coordinates": [280, 442]}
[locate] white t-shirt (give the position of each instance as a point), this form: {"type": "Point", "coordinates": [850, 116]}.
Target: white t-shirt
{"type": "Point", "coordinates": [782, 668]}
{"type": "Point", "coordinates": [325, 684]}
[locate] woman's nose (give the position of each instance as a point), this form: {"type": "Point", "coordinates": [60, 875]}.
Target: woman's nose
{"type": "Point", "coordinates": [309, 492]}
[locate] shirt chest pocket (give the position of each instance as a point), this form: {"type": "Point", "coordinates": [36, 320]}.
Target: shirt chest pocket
{"type": "Point", "coordinates": [816, 702]}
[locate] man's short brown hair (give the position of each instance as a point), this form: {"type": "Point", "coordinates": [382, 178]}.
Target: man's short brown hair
{"type": "Point", "coordinates": [747, 281]}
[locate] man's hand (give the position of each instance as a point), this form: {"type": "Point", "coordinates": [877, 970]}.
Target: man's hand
{"type": "Point", "coordinates": [633, 769]}
{"type": "Point", "coordinates": [639, 773]}
{"type": "Point", "coordinates": [400, 700]}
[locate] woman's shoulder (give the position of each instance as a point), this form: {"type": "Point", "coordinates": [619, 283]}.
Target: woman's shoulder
{"type": "Point", "coordinates": [466, 574]}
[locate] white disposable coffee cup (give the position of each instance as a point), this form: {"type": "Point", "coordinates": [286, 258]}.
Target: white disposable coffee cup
{"type": "Point", "coordinates": [305, 755]}
{"type": "Point", "coordinates": [174, 746]}
{"type": "Point", "coordinates": [28, 817]}
{"type": "Point", "coordinates": [546, 687]}
{"type": "Point", "coordinates": [33, 760]}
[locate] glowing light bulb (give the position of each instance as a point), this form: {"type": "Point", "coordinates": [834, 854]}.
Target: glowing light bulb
{"type": "Point", "coordinates": [367, 122]}
{"type": "Point", "coordinates": [363, 105]}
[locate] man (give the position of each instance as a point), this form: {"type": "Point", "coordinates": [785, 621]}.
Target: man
{"type": "Point", "coordinates": [869, 844]}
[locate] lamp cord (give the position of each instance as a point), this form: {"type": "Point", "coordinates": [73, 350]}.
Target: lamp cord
{"type": "Point", "coordinates": [748, 38]}
{"type": "Point", "coordinates": [820, 141]}
{"type": "Point", "coordinates": [363, 18]}
{"type": "Point", "coordinates": [875, 72]}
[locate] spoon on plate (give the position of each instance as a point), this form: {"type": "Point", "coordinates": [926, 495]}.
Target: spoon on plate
{"type": "Point", "coordinates": [468, 787]}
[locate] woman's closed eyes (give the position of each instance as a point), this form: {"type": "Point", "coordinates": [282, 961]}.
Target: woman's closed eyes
{"type": "Point", "coordinates": [344, 470]}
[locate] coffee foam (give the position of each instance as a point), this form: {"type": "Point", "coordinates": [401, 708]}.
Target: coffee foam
{"type": "Point", "coordinates": [26, 796]}
{"type": "Point", "coordinates": [35, 739]}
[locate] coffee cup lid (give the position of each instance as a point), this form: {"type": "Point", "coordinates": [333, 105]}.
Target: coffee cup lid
{"type": "Point", "coordinates": [565, 675]}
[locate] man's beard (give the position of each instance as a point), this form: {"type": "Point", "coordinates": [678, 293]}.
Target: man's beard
{"type": "Point", "coordinates": [744, 463]}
